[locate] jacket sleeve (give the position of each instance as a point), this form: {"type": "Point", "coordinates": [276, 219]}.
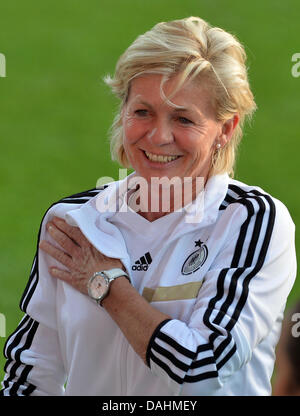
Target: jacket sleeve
{"type": "Point", "coordinates": [242, 295]}
{"type": "Point", "coordinates": [34, 363]}
{"type": "Point", "coordinates": [34, 360]}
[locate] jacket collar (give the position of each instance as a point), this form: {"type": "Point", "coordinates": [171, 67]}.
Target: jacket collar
{"type": "Point", "coordinates": [93, 217]}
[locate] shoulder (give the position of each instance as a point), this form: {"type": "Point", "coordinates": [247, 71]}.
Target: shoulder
{"type": "Point", "coordinates": [78, 198]}
{"type": "Point", "coordinates": [258, 203]}
{"type": "Point", "coordinates": [81, 197]}
{"type": "Point", "coordinates": [71, 202]}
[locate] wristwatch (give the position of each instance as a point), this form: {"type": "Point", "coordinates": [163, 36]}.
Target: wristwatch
{"type": "Point", "coordinates": [99, 283]}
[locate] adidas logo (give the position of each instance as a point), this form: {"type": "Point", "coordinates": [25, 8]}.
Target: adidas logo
{"type": "Point", "coordinates": [143, 263]}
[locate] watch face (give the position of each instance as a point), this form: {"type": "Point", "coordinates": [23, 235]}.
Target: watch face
{"type": "Point", "coordinates": [98, 287]}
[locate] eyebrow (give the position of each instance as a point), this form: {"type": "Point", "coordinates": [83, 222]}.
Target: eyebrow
{"type": "Point", "coordinates": [181, 108]}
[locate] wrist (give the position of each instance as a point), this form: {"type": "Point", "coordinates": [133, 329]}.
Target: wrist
{"type": "Point", "coordinates": [118, 289]}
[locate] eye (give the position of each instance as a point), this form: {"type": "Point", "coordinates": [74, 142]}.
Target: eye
{"type": "Point", "coordinates": [141, 112]}
{"type": "Point", "coordinates": [184, 120]}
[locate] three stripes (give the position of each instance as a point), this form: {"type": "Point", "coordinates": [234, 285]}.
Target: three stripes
{"type": "Point", "coordinates": [184, 365]}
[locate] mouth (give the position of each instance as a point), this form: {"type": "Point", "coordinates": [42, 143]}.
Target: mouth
{"type": "Point", "coordinates": [161, 158]}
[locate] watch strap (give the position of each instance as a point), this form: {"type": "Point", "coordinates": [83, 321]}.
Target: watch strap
{"type": "Point", "coordinates": [112, 274]}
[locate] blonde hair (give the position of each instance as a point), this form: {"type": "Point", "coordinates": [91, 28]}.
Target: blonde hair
{"type": "Point", "coordinates": [194, 49]}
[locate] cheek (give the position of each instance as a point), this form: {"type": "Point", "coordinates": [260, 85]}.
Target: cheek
{"type": "Point", "coordinates": [133, 130]}
{"type": "Point", "coordinates": [194, 144]}
{"type": "Point", "coordinates": [204, 145]}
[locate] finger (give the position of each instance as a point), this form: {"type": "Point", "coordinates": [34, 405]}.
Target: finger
{"type": "Point", "coordinates": [67, 277]}
{"type": "Point", "coordinates": [61, 274]}
{"type": "Point", "coordinates": [73, 232]}
{"type": "Point", "coordinates": [56, 253]}
{"type": "Point", "coordinates": [62, 239]}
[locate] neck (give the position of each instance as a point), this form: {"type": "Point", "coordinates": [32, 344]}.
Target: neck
{"type": "Point", "coordinates": [159, 199]}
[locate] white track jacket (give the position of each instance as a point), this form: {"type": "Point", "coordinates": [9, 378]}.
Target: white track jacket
{"type": "Point", "coordinates": [224, 280]}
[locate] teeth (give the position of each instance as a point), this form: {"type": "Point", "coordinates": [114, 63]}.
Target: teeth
{"type": "Point", "coordinates": [160, 158]}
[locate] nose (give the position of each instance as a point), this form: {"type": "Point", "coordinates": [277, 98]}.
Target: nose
{"type": "Point", "coordinates": [160, 133]}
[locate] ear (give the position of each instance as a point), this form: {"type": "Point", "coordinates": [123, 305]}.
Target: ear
{"type": "Point", "coordinates": [228, 129]}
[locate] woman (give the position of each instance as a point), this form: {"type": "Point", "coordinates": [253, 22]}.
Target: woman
{"type": "Point", "coordinates": [192, 291]}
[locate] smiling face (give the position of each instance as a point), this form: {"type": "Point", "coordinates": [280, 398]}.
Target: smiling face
{"type": "Point", "coordinates": [161, 139]}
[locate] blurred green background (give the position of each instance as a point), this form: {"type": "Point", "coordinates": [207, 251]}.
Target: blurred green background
{"type": "Point", "coordinates": [55, 110]}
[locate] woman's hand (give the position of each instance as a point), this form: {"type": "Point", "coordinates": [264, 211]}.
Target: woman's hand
{"type": "Point", "coordinates": [80, 257]}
